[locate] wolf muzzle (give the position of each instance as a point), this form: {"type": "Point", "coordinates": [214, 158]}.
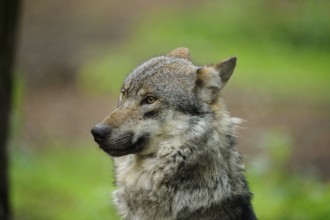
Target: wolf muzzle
{"type": "Point", "coordinates": [118, 144]}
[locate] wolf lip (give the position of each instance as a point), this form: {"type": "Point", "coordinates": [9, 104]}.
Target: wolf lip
{"type": "Point", "coordinates": [125, 149]}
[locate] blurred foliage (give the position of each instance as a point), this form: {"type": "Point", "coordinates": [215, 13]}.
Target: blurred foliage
{"type": "Point", "coordinates": [282, 46]}
{"type": "Point", "coordinates": [283, 49]}
{"type": "Point", "coordinates": [17, 107]}
{"type": "Point", "coordinates": [280, 194]}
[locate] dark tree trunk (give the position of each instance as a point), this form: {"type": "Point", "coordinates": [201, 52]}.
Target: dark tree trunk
{"type": "Point", "coordinates": [9, 10]}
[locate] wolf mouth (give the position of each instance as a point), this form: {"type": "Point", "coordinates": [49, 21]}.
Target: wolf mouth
{"type": "Point", "coordinates": [124, 145]}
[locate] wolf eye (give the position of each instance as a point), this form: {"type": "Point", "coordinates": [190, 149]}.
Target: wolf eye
{"type": "Point", "coordinates": [150, 99]}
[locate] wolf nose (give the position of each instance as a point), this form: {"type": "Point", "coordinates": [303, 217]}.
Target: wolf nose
{"type": "Point", "coordinates": [100, 132]}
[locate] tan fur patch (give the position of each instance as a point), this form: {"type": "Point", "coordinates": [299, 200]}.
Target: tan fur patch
{"type": "Point", "coordinates": [117, 117]}
{"type": "Point", "coordinates": [181, 52]}
{"type": "Point", "coordinates": [202, 74]}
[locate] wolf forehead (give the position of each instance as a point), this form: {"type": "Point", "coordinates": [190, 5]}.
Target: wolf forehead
{"type": "Point", "coordinates": [161, 75]}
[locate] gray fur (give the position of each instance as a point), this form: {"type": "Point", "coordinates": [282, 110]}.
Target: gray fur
{"type": "Point", "coordinates": [174, 154]}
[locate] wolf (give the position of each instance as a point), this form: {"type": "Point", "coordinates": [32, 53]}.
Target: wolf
{"type": "Point", "coordinates": [173, 143]}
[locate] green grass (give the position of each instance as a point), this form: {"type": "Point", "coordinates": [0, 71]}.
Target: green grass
{"type": "Point", "coordinates": [65, 182]}
{"type": "Point", "coordinates": [61, 182]}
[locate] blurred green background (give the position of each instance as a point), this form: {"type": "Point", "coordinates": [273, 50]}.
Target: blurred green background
{"type": "Point", "coordinates": [74, 54]}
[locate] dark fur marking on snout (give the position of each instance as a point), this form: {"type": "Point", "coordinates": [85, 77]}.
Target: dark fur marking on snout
{"type": "Point", "coordinates": [123, 144]}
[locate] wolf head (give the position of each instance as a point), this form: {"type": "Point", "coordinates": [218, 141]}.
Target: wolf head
{"type": "Point", "coordinates": [160, 100]}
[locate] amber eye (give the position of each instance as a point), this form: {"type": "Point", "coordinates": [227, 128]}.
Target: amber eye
{"type": "Point", "coordinates": [150, 99]}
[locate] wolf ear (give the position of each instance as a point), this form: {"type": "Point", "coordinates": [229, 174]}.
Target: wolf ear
{"type": "Point", "coordinates": [180, 52]}
{"type": "Point", "coordinates": [211, 79]}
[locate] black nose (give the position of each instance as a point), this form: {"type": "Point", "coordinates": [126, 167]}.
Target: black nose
{"type": "Point", "coordinates": [100, 132]}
